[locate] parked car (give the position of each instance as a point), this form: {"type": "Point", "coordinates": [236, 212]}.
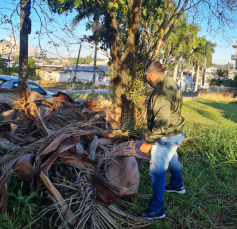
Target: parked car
{"type": "Point", "coordinates": [9, 82]}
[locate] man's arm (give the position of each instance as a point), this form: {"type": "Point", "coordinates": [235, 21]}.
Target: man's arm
{"type": "Point", "coordinates": [161, 121]}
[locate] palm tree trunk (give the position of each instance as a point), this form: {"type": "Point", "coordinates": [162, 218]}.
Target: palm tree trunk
{"type": "Point", "coordinates": [202, 76]}
{"type": "Point", "coordinates": [197, 76]}
{"type": "Point", "coordinates": [192, 78]}
{"type": "Point", "coordinates": [175, 72]}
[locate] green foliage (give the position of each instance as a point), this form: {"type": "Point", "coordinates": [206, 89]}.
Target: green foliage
{"type": "Point", "coordinates": [31, 67]}
{"type": "Point", "coordinates": [21, 209]}
{"type": "Point", "coordinates": [224, 82]}
{"type": "Point", "coordinates": [2, 65]}
{"type": "Point", "coordinates": [221, 72]}
{"type": "Point", "coordinates": [83, 60]}
{"type": "Point", "coordinates": [126, 32]}
{"type": "Point", "coordinates": [6, 221]}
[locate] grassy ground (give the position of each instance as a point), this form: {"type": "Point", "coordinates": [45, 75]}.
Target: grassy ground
{"type": "Point", "coordinates": [209, 154]}
{"type": "Point", "coordinates": [61, 85]}
{"type": "Point", "coordinates": [78, 96]}
{"type": "Point", "coordinates": [190, 93]}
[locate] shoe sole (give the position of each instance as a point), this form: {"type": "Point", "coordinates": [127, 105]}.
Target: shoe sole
{"type": "Point", "coordinates": [179, 192]}
{"type": "Point", "coordinates": [159, 217]}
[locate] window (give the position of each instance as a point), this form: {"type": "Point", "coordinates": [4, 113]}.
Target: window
{"type": "Point", "coordinates": [35, 87]}
{"type": "Point", "coordinates": [2, 81]}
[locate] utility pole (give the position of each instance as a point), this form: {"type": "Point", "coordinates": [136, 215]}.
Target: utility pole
{"type": "Point", "coordinates": [95, 27]}
{"type": "Point", "coordinates": [75, 74]}
{"type": "Point", "coordinates": [205, 64]}
{"type": "Point", "coordinates": [94, 72]}
{"type": "Point", "coordinates": [25, 29]}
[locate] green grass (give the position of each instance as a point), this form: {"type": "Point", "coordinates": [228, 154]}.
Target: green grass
{"type": "Point", "coordinates": [90, 95]}
{"type": "Point", "coordinates": [69, 86]}
{"type": "Point", "coordinates": [209, 154]}
{"type": "Point", "coordinates": [190, 93]}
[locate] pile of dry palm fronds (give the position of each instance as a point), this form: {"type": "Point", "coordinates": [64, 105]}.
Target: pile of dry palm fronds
{"type": "Point", "coordinates": [47, 140]}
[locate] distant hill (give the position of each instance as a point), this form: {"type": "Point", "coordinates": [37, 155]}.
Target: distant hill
{"type": "Point", "coordinates": [223, 66]}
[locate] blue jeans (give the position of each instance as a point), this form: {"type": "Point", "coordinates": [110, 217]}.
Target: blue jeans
{"type": "Point", "coordinates": [164, 156]}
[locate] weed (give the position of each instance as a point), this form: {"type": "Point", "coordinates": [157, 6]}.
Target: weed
{"type": "Point", "coordinates": [21, 208]}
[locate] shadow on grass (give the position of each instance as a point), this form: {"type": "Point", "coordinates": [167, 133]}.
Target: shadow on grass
{"type": "Point", "coordinates": [228, 110]}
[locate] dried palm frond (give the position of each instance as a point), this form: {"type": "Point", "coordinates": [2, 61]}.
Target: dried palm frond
{"type": "Point", "coordinates": [7, 115]}
{"type": "Point", "coordinates": [63, 97]}
{"type": "Point", "coordinates": [5, 174]}
{"type": "Point", "coordinates": [57, 196]}
{"type": "Point", "coordinates": [73, 129]}
{"type": "Point", "coordinates": [31, 111]}
{"type": "Point", "coordinates": [60, 118]}
{"type": "Point", "coordinates": [70, 180]}
{"type": "Point", "coordinates": [88, 213]}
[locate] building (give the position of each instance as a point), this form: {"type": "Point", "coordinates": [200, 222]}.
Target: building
{"type": "Point", "coordinates": [234, 57]}
{"type": "Point", "coordinates": [84, 74]}
{"type": "Point", "coordinates": [9, 47]}
{"type": "Point", "coordinates": [33, 51]}
{"type": "Point", "coordinates": [12, 40]}
{"type": "Point", "coordinates": [233, 71]}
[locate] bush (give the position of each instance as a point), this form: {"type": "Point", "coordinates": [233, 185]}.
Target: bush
{"type": "Point", "coordinates": [224, 82]}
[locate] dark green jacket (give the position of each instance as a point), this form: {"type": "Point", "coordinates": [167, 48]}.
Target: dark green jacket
{"type": "Point", "coordinates": [164, 110]}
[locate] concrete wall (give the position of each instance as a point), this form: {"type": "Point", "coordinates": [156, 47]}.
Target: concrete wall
{"type": "Point", "coordinates": [232, 90]}
{"type": "Point", "coordinates": [217, 96]}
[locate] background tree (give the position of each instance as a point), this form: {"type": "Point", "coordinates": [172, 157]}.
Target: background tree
{"type": "Point", "coordinates": [221, 72]}
{"type": "Point", "coordinates": [136, 32]}
{"type": "Point", "coordinates": [2, 66]}
{"type": "Point", "coordinates": [31, 66]}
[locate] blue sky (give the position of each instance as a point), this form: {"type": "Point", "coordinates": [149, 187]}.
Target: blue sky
{"type": "Point", "coordinates": [68, 44]}
{"type": "Point", "coordinates": [55, 24]}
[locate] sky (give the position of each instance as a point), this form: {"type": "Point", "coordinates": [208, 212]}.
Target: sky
{"type": "Point", "coordinates": [57, 37]}
{"type": "Point", "coordinates": [56, 40]}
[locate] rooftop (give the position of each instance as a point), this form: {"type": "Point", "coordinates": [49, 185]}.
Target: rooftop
{"type": "Point", "coordinates": [5, 42]}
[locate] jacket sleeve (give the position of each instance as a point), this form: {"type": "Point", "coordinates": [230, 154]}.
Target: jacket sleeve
{"type": "Point", "coordinates": [161, 112]}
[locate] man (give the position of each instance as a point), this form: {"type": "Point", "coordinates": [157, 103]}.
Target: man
{"type": "Point", "coordinates": [166, 125]}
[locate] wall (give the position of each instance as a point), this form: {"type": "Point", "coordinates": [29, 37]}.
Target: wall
{"type": "Point", "coordinates": [232, 90]}
{"type": "Point", "coordinates": [218, 96]}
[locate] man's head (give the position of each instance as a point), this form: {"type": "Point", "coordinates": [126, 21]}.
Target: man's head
{"type": "Point", "coordinates": [153, 71]}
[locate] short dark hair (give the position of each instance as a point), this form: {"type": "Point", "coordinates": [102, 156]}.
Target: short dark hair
{"type": "Point", "coordinates": [154, 66]}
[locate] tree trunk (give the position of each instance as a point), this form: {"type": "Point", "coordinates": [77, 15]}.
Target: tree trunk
{"type": "Point", "coordinates": [192, 78]}
{"type": "Point", "coordinates": [197, 76]}
{"type": "Point", "coordinates": [175, 72]}
{"type": "Point", "coordinates": [201, 77]}
{"type": "Point", "coordinates": [23, 55]}
{"type": "Point", "coordinates": [186, 81]}
{"type": "Point", "coordinates": [116, 80]}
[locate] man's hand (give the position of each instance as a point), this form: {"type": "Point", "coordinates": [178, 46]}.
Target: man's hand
{"type": "Point", "coordinates": [145, 147]}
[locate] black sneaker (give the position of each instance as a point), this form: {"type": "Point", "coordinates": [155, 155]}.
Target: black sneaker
{"type": "Point", "coordinates": [149, 214]}
{"type": "Point", "coordinates": [180, 190]}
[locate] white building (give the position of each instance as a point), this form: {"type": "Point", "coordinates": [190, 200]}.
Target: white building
{"type": "Point", "coordinates": [84, 74]}
{"type": "Point", "coordinates": [32, 51]}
